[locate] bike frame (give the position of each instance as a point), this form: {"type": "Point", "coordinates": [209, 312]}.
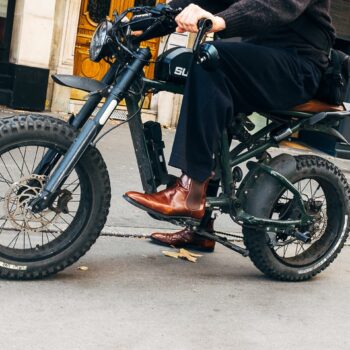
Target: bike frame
{"type": "Point", "coordinates": [119, 88]}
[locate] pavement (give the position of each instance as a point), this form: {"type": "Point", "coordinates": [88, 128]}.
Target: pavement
{"type": "Point", "coordinates": [133, 297]}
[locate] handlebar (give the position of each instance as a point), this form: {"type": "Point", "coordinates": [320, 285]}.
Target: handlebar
{"type": "Point", "coordinates": [142, 22]}
{"type": "Point", "coordinates": [162, 19]}
{"type": "Point", "coordinates": [156, 22]}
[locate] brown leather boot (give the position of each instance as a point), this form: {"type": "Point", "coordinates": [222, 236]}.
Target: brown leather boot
{"type": "Point", "coordinates": [185, 199]}
{"type": "Point", "coordinates": [186, 239]}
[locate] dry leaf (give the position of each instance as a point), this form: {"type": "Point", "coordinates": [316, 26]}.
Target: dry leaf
{"type": "Point", "coordinates": [171, 254]}
{"type": "Point", "coordinates": [184, 251]}
{"type": "Point", "coordinates": [183, 254]}
{"type": "Point", "coordinates": [83, 268]}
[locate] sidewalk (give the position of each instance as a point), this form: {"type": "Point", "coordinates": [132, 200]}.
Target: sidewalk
{"type": "Point", "coordinates": [134, 298]}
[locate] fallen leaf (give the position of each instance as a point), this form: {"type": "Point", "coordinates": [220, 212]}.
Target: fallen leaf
{"type": "Point", "coordinates": [184, 251]}
{"type": "Point", "coordinates": [83, 268]}
{"type": "Point", "coordinates": [183, 254]}
{"type": "Point", "coordinates": [171, 254]}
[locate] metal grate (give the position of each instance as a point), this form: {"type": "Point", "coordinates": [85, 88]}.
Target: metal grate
{"type": "Point", "coordinates": [118, 114]}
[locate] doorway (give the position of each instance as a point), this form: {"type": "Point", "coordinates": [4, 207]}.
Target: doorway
{"type": "Point", "coordinates": [7, 11]}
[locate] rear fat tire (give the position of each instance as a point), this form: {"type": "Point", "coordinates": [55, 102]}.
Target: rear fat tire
{"type": "Point", "coordinates": [256, 241]}
{"type": "Point", "coordinates": [48, 130]}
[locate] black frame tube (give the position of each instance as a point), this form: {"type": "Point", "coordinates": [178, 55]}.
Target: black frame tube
{"type": "Point", "coordinates": [91, 129]}
{"type": "Point", "coordinates": [140, 146]}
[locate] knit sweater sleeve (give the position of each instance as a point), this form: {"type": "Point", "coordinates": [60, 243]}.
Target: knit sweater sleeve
{"type": "Point", "coordinates": [251, 17]}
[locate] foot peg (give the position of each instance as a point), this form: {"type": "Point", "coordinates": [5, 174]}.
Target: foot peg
{"type": "Point", "coordinates": [304, 237]}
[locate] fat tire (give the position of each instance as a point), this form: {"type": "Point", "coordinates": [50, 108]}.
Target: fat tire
{"type": "Point", "coordinates": [257, 242]}
{"type": "Point", "coordinates": [51, 130]}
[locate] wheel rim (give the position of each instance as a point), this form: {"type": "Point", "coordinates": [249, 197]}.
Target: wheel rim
{"type": "Point", "coordinates": [319, 199]}
{"type": "Point", "coordinates": [25, 236]}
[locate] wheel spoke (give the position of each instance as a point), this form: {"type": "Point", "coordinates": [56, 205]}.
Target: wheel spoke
{"type": "Point", "coordinates": [24, 160]}
{"type": "Point", "coordinates": [36, 154]}
{"type": "Point", "coordinates": [30, 242]}
{"type": "Point", "coordinates": [64, 219]}
{"type": "Point", "coordinates": [15, 239]}
{"type": "Point", "coordinates": [19, 168]}
{"type": "Point", "coordinates": [301, 191]}
{"type": "Point", "coordinates": [313, 194]}
{"type": "Point", "coordinates": [3, 225]}
{"type": "Point", "coordinates": [72, 183]}
{"type": "Point", "coordinates": [7, 172]}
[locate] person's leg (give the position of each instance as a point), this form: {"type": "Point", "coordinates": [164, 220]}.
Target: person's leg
{"type": "Point", "coordinates": [249, 78]}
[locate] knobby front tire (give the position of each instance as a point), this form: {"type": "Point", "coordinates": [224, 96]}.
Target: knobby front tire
{"type": "Point", "coordinates": [36, 246]}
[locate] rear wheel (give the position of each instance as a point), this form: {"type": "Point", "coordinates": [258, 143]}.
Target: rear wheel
{"type": "Point", "coordinates": [325, 193]}
{"type": "Point", "coordinates": [38, 245]}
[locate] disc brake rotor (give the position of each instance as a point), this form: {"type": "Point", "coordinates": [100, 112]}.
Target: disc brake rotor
{"type": "Point", "coordinates": [17, 201]}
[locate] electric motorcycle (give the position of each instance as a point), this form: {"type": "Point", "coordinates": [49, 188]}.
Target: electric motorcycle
{"type": "Point", "coordinates": [55, 188]}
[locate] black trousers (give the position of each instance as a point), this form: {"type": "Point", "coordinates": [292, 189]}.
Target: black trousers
{"type": "Point", "coordinates": [250, 78]}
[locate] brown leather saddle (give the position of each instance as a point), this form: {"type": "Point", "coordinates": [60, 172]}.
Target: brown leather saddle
{"type": "Point", "coordinates": [315, 106]}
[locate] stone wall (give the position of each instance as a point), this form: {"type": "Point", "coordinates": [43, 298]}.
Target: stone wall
{"type": "Point", "coordinates": [32, 33]}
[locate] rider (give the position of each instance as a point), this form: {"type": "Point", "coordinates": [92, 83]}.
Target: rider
{"type": "Point", "coordinates": [278, 65]}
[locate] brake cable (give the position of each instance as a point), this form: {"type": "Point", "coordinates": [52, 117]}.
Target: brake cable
{"type": "Point", "coordinates": [122, 123]}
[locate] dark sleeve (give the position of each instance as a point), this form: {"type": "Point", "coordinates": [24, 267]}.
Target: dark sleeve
{"type": "Point", "coordinates": [250, 17]}
{"type": "Point", "coordinates": [209, 5]}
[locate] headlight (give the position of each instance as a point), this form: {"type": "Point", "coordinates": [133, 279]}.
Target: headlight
{"type": "Point", "coordinates": [99, 41]}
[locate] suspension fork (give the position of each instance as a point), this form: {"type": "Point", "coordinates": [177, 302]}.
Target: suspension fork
{"type": "Point", "coordinates": [90, 130]}
{"type": "Point", "coordinates": [51, 157]}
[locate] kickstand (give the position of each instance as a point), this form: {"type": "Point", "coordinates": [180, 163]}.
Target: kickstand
{"type": "Point", "coordinates": [224, 241]}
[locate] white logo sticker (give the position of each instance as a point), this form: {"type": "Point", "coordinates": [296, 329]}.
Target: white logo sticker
{"type": "Point", "coordinates": [182, 72]}
{"type": "Point", "coordinates": [13, 267]}
{"type": "Point", "coordinates": [107, 113]}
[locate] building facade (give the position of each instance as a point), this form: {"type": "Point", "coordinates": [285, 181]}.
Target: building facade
{"type": "Point", "coordinates": [39, 38]}
{"type": "Point", "coordinates": [43, 37]}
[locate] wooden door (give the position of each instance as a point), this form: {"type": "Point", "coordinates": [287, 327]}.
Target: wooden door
{"type": "Point", "coordinates": [91, 13]}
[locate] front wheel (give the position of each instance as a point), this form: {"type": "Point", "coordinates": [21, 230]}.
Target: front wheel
{"type": "Point", "coordinates": [325, 194]}
{"type": "Point", "coordinates": [38, 245]}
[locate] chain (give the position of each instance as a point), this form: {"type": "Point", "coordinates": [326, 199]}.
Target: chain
{"type": "Point", "coordinates": [228, 235]}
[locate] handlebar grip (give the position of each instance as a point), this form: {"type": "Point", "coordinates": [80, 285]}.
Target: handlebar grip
{"type": "Point", "coordinates": [205, 24]}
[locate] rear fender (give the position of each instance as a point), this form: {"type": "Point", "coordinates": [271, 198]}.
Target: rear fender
{"type": "Point", "coordinates": [260, 189]}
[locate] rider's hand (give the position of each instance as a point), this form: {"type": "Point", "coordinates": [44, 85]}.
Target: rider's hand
{"type": "Point", "coordinates": [188, 19]}
{"type": "Point", "coordinates": [135, 33]}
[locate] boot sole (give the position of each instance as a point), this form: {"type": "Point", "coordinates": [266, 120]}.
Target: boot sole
{"type": "Point", "coordinates": [185, 219]}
